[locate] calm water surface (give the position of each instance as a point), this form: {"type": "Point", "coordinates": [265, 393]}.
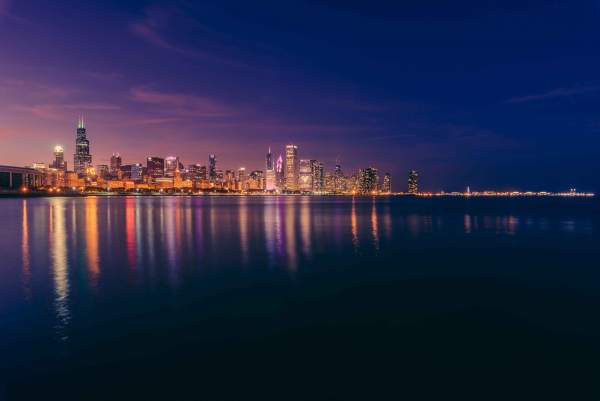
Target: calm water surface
{"type": "Point", "coordinates": [299, 298]}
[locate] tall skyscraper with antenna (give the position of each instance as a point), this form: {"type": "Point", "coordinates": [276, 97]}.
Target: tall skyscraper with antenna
{"type": "Point", "coordinates": [270, 176]}
{"type": "Point", "coordinates": [82, 159]}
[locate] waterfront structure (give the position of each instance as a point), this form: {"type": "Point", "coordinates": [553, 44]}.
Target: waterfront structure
{"type": "Point", "coordinates": [413, 182]}
{"type": "Point", "coordinates": [387, 183]}
{"type": "Point", "coordinates": [115, 164]}
{"type": "Point", "coordinates": [291, 168]}
{"type": "Point", "coordinates": [20, 178]}
{"type": "Point", "coordinates": [212, 168]}
{"type": "Point", "coordinates": [82, 159]}
{"type": "Point", "coordinates": [367, 180]}
{"type": "Point", "coordinates": [305, 176]}
{"type": "Point", "coordinates": [155, 167]}
{"type": "Point", "coordinates": [59, 159]}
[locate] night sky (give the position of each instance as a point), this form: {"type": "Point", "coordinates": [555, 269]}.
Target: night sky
{"type": "Point", "coordinates": [498, 95]}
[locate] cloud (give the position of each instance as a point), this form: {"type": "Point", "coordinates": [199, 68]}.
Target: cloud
{"type": "Point", "coordinates": [183, 105]}
{"type": "Point", "coordinates": [556, 93]}
{"type": "Point", "coordinates": [152, 28]}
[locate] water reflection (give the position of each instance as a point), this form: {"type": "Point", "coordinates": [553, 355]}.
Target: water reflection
{"type": "Point", "coordinates": [91, 239]}
{"type": "Point", "coordinates": [25, 255]}
{"type": "Point", "coordinates": [146, 240]}
{"type": "Point", "coordinates": [60, 267]}
{"type": "Point", "coordinates": [374, 227]}
{"type": "Point", "coordinates": [354, 224]}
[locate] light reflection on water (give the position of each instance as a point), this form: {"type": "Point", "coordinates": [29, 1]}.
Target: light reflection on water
{"type": "Point", "coordinates": [158, 238]}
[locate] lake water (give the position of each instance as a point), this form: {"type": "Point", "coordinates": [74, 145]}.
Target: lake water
{"type": "Point", "coordinates": [299, 298]}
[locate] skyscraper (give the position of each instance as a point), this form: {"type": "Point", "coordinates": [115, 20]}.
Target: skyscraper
{"type": "Point", "coordinates": [305, 176]}
{"type": "Point", "coordinates": [171, 165]}
{"type": "Point", "coordinates": [291, 168]}
{"type": "Point", "coordinates": [413, 182]}
{"type": "Point", "coordinates": [115, 164]}
{"type": "Point", "coordinates": [59, 162]}
{"type": "Point", "coordinates": [387, 183]}
{"type": "Point", "coordinates": [318, 183]}
{"type": "Point", "coordinates": [270, 177]}
{"type": "Point", "coordinates": [367, 180]}
{"type": "Point", "coordinates": [155, 167]}
{"type": "Point", "coordinates": [279, 174]}
{"type": "Point", "coordinates": [82, 159]}
{"type": "Point", "coordinates": [242, 179]}
{"type": "Point", "coordinates": [339, 181]}
{"type": "Point", "coordinates": [212, 168]}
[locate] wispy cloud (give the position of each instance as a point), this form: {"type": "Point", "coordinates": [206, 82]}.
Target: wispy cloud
{"type": "Point", "coordinates": [152, 28]}
{"type": "Point", "coordinates": [556, 93]}
{"type": "Point", "coordinates": [185, 105]}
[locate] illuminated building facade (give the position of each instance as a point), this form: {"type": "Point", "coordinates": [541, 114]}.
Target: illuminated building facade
{"type": "Point", "coordinates": [291, 168]}
{"type": "Point", "coordinates": [212, 168]}
{"type": "Point", "coordinates": [413, 182]}
{"type": "Point", "coordinates": [155, 167]}
{"type": "Point", "coordinates": [242, 179]}
{"type": "Point", "coordinates": [171, 166]}
{"type": "Point", "coordinates": [367, 180]}
{"type": "Point", "coordinates": [82, 159]}
{"type": "Point", "coordinates": [305, 176]}
{"type": "Point", "coordinates": [270, 175]}
{"type": "Point", "coordinates": [115, 164]}
{"type": "Point", "coordinates": [387, 183]}
{"type": "Point", "coordinates": [318, 183]}
{"type": "Point", "coordinates": [279, 173]}
{"type": "Point", "coordinates": [59, 162]}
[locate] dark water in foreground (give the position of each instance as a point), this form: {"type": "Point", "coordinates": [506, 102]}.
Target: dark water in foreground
{"type": "Point", "coordinates": [299, 298]}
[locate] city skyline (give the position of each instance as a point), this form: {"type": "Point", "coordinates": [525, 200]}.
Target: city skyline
{"type": "Point", "coordinates": [476, 109]}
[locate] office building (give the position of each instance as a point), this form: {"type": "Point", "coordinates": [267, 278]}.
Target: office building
{"type": "Point", "coordinates": [291, 168]}
{"type": "Point", "coordinates": [368, 180]}
{"type": "Point", "coordinates": [82, 159]}
{"type": "Point", "coordinates": [212, 168]}
{"type": "Point", "coordinates": [305, 176]}
{"type": "Point", "coordinates": [387, 183]}
{"type": "Point", "coordinates": [413, 182]}
{"type": "Point", "coordinates": [59, 162]}
{"type": "Point", "coordinates": [155, 167]}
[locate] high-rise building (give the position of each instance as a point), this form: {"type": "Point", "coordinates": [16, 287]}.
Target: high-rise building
{"type": "Point", "coordinates": [339, 181]}
{"type": "Point", "coordinates": [318, 183]}
{"type": "Point", "coordinates": [413, 182]}
{"type": "Point", "coordinates": [59, 162]}
{"type": "Point", "coordinates": [171, 166]}
{"type": "Point", "coordinates": [82, 159]}
{"type": "Point", "coordinates": [196, 172]}
{"type": "Point", "coordinates": [115, 164]}
{"type": "Point", "coordinates": [242, 179]}
{"type": "Point", "coordinates": [291, 168]}
{"type": "Point", "coordinates": [387, 183]}
{"type": "Point", "coordinates": [367, 180]}
{"type": "Point", "coordinates": [133, 171]}
{"type": "Point", "coordinates": [155, 167]}
{"type": "Point", "coordinates": [305, 176]}
{"type": "Point", "coordinates": [270, 175]}
{"type": "Point", "coordinates": [212, 168]}
{"type": "Point", "coordinates": [328, 182]}
{"type": "Point", "coordinates": [279, 174]}
{"type": "Point", "coordinates": [103, 171]}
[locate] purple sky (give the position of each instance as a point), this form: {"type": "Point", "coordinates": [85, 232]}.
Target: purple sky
{"type": "Point", "coordinates": [472, 94]}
